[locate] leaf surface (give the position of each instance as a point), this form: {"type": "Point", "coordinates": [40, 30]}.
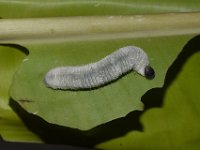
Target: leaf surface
{"type": "Point", "coordinates": [87, 109]}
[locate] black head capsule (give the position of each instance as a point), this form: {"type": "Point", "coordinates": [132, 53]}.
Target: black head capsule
{"type": "Point", "coordinates": [149, 72]}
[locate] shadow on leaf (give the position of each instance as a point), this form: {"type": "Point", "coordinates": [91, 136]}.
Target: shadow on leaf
{"type": "Point", "coordinates": [55, 134]}
{"type": "Point", "coordinates": [154, 97]}
{"type": "Point", "coordinates": [18, 47]}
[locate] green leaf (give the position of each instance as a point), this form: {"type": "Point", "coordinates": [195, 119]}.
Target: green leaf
{"type": "Point", "coordinates": [59, 8]}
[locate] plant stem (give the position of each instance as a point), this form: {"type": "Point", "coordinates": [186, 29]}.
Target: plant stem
{"type": "Point", "coordinates": [98, 27]}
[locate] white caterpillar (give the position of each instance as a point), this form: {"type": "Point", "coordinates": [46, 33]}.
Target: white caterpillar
{"type": "Point", "coordinates": [97, 74]}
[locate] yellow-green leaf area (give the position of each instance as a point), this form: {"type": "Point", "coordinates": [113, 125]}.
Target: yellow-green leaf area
{"type": "Point", "coordinates": [58, 8]}
{"type": "Point", "coordinates": [11, 125]}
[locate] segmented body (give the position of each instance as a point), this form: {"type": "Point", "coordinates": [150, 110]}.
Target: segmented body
{"type": "Point", "coordinates": [99, 73]}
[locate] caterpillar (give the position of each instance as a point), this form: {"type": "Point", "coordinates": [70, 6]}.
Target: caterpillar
{"type": "Point", "coordinates": [100, 73]}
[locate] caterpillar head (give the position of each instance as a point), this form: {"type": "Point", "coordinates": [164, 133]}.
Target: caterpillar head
{"type": "Point", "coordinates": [142, 66]}
{"type": "Point", "coordinates": [146, 71]}
{"type": "Point", "coordinates": [149, 72]}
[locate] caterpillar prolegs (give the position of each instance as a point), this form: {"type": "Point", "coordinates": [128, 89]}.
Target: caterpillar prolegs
{"type": "Point", "coordinates": [97, 74]}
